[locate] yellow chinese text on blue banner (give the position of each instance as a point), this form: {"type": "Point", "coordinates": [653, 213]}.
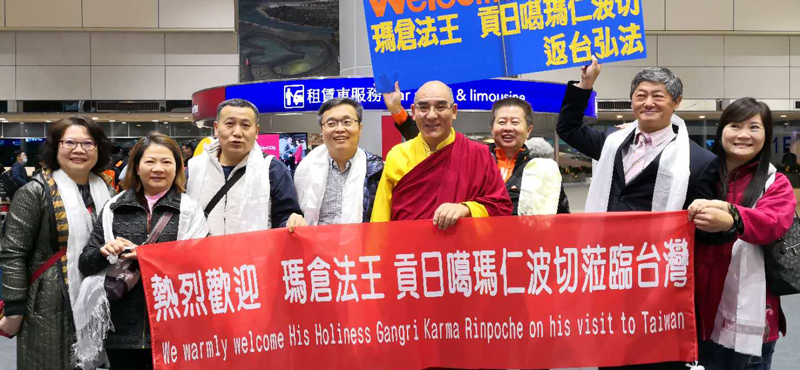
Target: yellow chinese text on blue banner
{"type": "Point", "coordinates": [463, 40]}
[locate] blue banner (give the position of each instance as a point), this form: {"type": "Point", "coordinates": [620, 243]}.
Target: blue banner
{"type": "Point", "coordinates": [285, 96]}
{"type": "Point", "coordinates": [415, 41]}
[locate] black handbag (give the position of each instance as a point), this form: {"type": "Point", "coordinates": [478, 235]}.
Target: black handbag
{"type": "Point", "coordinates": [782, 261]}
{"type": "Point", "coordinates": [122, 276]}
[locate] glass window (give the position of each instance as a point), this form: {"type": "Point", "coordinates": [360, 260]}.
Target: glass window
{"type": "Point", "coordinates": [140, 129]}
{"type": "Point", "coordinates": [163, 128]}
{"type": "Point", "coordinates": [119, 129]}
{"type": "Point", "coordinates": [12, 129]}
{"type": "Point", "coordinates": [185, 129]}
{"type": "Point", "coordinates": [106, 126]}
{"type": "Point", "coordinates": [15, 129]}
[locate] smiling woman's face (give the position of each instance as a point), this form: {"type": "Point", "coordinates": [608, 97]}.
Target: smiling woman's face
{"type": "Point", "coordinates": [744, 140]}
{"type": "Point", "coordinates": [77, 161]}
{"type": "Point", "coordinates": [156, 169]}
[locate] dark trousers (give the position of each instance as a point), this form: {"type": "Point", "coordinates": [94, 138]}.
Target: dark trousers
{"type": "Point", "coordinates": [716, 357]}
{"type": "Point", "coordinates": [130, 359]}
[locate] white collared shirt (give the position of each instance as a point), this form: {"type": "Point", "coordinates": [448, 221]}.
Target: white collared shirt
{"type": "Point", "coordinates": [660, 139]}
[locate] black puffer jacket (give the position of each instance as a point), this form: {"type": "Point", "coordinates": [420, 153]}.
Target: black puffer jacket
{"type": "Point", "coordinates": [129, 314]}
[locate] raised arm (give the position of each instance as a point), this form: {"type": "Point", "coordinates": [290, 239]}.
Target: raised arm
{"type": "Point", "coordinates": [570, 126]}
{"type": "Point", "coordinates": [402, 120]}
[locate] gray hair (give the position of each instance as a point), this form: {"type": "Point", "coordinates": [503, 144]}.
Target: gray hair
{"type": "Point", "coordinates": [659, 75]}
{"type": "Point", "coordinates": [335, 102]}
{"type": "Point", "coordinates": [238, 103]}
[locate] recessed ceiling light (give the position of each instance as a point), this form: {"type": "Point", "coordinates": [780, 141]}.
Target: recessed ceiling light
{"type": "Point", "coordinates": [619, 116]}
{"type": "Point", "coordinates": [702, 117]}
{"type": "Point", "coordinates": [124, 123]}
{"type": "Point", "coordinates": [138, 125]}
{"type": "Point", "coordinates": [95, 118]}
{"type": "Point", "coordinates": [112, 120]}
{"type": "Point", "coordinates": [186, 118]}
{"type": "Point", "coordinates": [165, 122]}
{"type": "Point", "coordinates": [783, 116]}
{"type": "Point", "coordinates": [48, 121]}
{"type": "Point", "coordinates": [155, 120]}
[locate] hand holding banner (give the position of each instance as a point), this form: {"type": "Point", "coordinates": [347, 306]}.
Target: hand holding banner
{"type": "Point", "coordinates": [506, 292]}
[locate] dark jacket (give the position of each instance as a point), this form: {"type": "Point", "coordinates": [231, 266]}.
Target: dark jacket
{"type": "Point", "coordinates": [373, 177]}
{"type": "Point", "coordinates": [514, 183]}
{"type": "Point", "coordinates": [638, 194]}
{"type": "Point", "coordinates": [47, 331]}
{"type": "Point", "coordinates": [283, 196]}
{"type": "Point", "coordinates": [129, 314]}
{"type": "Point", "coordinates": [19, 174]}
{"type": "Point", "coordinates": [409, 130]}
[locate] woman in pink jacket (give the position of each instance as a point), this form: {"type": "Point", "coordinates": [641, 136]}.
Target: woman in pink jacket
{"type": "Point", "coordinates": [738, 317]}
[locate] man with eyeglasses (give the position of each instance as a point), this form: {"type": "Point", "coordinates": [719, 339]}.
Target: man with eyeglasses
{"type": "Point", "coordinates": [261, 194]}
{"type": "Point", "coordinates": [336, 183]}
{"type": "Point", "coordinates": [440, 174]}
{"type": "Point", "coordinates": [532, 178]}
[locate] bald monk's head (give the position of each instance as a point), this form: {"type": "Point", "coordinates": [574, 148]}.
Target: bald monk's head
{"type": "Point", "coordinates": [434, 111]}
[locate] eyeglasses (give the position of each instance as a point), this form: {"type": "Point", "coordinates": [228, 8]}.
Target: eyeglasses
{"type": "Point", "coordinates": [332, 123]}
{"type": "Point", "coordinates": [72, 144]}
{"type": "Point", "coordinates": [440, 108]}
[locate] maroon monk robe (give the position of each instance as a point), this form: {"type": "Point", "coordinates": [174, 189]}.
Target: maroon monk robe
{"type": "Point", "coordinates": [460, 172]}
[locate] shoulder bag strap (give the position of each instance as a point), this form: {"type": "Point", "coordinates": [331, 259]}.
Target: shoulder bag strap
{"type": "Point", "coordinates": [54, 243]}
{"type": "Point", "coordinates": [224, 190]}
{"type": "Point", "coordinates": [162, 223]}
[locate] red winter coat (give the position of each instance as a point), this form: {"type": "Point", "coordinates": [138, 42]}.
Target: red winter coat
{"type": "Point", "coordinates": [768, 221]}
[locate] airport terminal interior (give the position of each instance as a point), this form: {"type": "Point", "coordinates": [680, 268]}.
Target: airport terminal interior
{"type": "Point", "coordinates": [141, 66]}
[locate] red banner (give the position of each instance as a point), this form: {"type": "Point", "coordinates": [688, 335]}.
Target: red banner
{"type": "Point", "coordinates": [506, 292]}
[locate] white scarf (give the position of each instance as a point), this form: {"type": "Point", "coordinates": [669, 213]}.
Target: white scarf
{"type": "Point", "coordinates": [93, 314]}
{"type": "Point", "coordinates": [740, 320]}
{"type": "Point", "coordinates": [255, 192]}
{"type": "Point", "coordinates": [310, 180]}
{"type": "Point", "coordinates": [672, 180]}
{"type": "Point", "coordinates": [80, 222]}
{"type": "Point", "coordinates": [540, 188]}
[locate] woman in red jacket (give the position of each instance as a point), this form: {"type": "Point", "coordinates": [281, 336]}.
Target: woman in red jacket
{"type": "Point", "coordinates": [738, 317]}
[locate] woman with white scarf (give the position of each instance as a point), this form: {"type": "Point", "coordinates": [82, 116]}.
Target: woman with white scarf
{"type": "Point", "coordinates": [739, 318]}
{"type": "Point", "coordinates": [48, 225]}
{"type": "Point", "coordinates": [154, 204]}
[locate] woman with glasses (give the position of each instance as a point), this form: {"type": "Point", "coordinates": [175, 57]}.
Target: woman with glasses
{"type": "Point", "coordinates": [48, 225]}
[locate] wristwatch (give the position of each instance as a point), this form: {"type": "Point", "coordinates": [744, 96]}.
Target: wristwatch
{"type": "Point", "coordinates": [738, 224]}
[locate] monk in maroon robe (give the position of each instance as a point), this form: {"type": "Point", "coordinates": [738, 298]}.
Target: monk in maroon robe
{"type": "Point", "coordinates": [440, 174]}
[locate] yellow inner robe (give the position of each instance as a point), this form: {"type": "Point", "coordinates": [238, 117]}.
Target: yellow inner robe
{"type": "Point", "coordinates": [400, 161]}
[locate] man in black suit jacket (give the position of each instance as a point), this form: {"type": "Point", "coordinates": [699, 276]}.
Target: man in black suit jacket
{"type": "Point", "coordinates": [655, 94]}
